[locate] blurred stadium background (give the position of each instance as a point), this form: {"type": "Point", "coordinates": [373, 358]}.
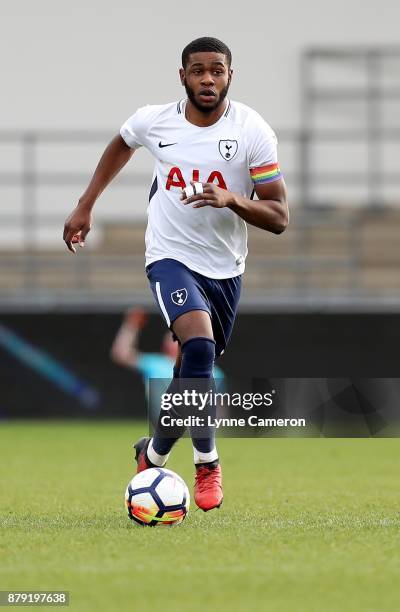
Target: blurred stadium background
{"type": "Point", "coordinates": [320, 300]}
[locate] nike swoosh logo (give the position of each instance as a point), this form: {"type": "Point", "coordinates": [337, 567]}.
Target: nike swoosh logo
{"type": "Point", "coordinates": [166, 145]}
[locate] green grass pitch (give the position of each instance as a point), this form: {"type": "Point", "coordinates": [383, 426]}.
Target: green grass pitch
{"type": "Point", "coordinates": [306, 524]}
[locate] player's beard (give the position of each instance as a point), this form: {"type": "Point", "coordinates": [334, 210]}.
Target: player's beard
{"type": "Point", "coordinates": [207, 109]}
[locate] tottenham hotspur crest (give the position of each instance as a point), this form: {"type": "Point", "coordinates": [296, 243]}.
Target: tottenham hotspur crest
{"type": "Point", "coordinates": [179, 297]}
{"type": "Point", "coordinates": [228, 149]}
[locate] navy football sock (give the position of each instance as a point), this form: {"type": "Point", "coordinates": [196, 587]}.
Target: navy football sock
{"type": "Point", "coordinates": [198, 355]}
{"type": "Point", "coordinates": [162, 441]}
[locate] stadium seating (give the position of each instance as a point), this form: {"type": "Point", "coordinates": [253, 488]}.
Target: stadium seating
{"type": "Point", "coordinates": [342, 251]}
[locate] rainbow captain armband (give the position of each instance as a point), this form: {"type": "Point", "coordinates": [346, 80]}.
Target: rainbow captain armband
{"type": "Point", "coordinates": [265, 174]}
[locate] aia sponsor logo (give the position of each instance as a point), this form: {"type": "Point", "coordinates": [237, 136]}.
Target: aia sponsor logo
{"type": "Point", "coordinates": [175, 178]}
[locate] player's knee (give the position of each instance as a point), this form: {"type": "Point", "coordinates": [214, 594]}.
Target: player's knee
{"type": "Point", "coordinates": [198, 355]}
{"type": "Point", "coordinates": [199, 349]}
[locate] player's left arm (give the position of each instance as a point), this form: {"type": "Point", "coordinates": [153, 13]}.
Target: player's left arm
{"type": "Point", "coordinates": [270, 212]}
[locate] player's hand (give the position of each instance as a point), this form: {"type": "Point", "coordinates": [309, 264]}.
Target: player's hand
{"type": "Point", "coordinates": [76, 228]}
{"type": "Point", "coordinates": [212, 196]}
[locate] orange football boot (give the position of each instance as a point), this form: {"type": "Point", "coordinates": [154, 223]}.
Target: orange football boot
{"type": "Point", "coordinates": [208, 486]}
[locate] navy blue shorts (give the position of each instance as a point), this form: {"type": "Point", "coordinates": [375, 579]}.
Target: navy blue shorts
{"type": "Point", "coordinates": [177, 290]}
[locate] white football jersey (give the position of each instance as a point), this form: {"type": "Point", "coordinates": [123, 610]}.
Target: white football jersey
{"type": "Point", "coordinates": [236, 152]}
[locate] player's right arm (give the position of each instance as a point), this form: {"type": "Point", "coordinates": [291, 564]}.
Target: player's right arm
{"type": "Point", "coordinates": [77, 226]}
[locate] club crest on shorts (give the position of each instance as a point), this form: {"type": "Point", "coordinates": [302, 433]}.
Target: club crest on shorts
{"type": "Point", "coordinates": [179, 297]}
{"type": "Point", "coordinates": [228, 149]}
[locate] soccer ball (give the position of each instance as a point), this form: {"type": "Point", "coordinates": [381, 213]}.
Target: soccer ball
{"type": "Point", "coordinates": [157, 497]}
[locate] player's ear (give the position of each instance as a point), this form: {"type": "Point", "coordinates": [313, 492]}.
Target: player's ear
{"type": "Point", "coordinates": [230, 75]}
{"type": "Point", "coordinates": [182, 75]}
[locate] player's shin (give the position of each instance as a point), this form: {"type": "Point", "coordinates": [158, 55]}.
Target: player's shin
{"type": "Point", "coordinates": [203, 438]}
{"type": "Point", "coordinates": [198, 355]}
{"type": "Point", "coordinates": [165, 436]}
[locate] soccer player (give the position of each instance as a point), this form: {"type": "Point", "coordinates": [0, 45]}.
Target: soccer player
{"type": "Point", "coordinates": [211, 155]}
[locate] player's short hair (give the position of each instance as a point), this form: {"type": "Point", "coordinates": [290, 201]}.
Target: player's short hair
{"type": "Point", "coordinates": [206, 43]}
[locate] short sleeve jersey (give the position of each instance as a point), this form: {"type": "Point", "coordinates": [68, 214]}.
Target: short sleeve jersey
{"type": "Point", "coordinates": [235, 153]}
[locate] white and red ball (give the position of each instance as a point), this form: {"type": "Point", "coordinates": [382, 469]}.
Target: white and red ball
{"type": "Point", "coordinates": [157, 497]}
